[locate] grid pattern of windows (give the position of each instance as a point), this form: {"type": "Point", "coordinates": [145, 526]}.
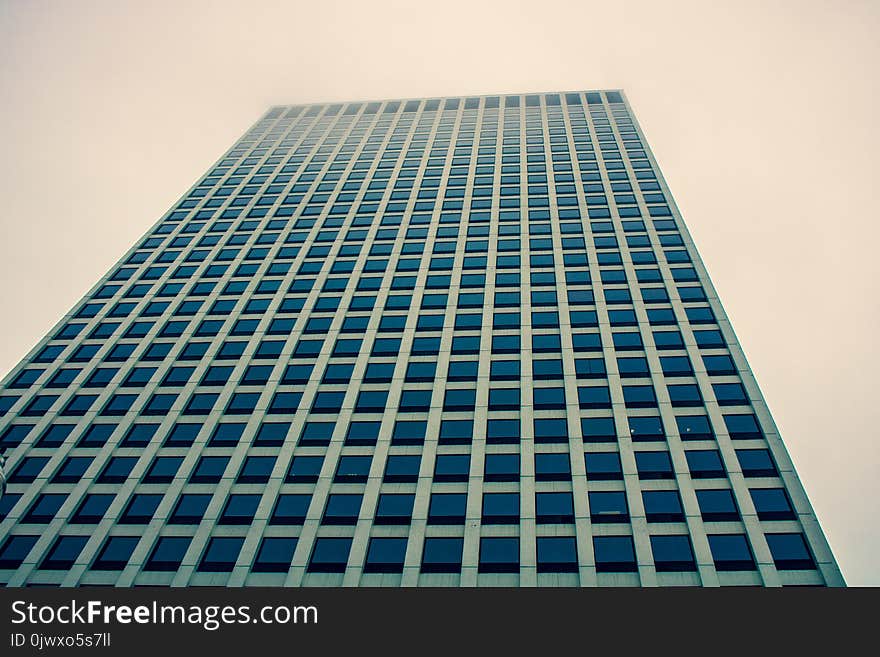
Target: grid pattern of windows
{"type": "Point", "coordinates": [458, 341]}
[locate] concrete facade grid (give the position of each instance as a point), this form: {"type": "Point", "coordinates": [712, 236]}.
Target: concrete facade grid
{"type": "Point", "coordinates": [273, 144]}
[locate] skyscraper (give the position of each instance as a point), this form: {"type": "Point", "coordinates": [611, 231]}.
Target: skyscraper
{"type": "Point", "coordinates": [447, 341]}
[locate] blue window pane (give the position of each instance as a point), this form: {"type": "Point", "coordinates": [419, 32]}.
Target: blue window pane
{"type": "Point", "coordinates": [409, 432]}
{"type": "Point", "coordinates": [772, 504]}
{"type": "Point", "coordinates": [342, 509]}
{"type": "Point", "coordinates": [685, 395]}
{"type": "Point", "coordinates": [64, 552]}
{"type": "Point", "coordinates": [731, 552]}
{"type": "Point", "coordinates": [329, 555]}
{"type": "Point", "coordinates": [694, 427]}
{"type": "Point", "coordinates": [221, 554]}
{"type": "Point", "coordinates": [456, 432]}
{"type": "Point", "coordinates": [190, 509]}
{"type": "Point", "coordinates": [168, 553]}
{"type": "Point", "coordinates": [385, 555]}
{"type": "Point", "coordinates": [672, 553]}
{"type": "Point", "coordinates": [756, 463]}
{"type": "Point", "coordinates": [557, 554]}
{"type": "Point", "coordinates": [603, 465]}
{"type": "Point", "coordinates": [552, 467]}
{"type": "Point", "coordinates": [15, 549]}
{"type": "Point", "coordinates": [790, 552]}
{"type": "Point", "coordinates": [654, 465]}
{"type": "Point", "coordinates": [662, 506]}
{"type": "Point", "coordinates": [442, 555]}
{"type": "Point", "coordinates": [554, 508]}
{"type": "Point", "coordinates": [594, 397]}
{"type": "Point", "coordinates": [705, 464]}
{"type": "Point", "coordinates": [447, 508]}
{"type": "Point", "coordinates": [72, 470]}
{"type": "Point", "coordinates": [730, 394]}
{"type": "Point", "coordinates": [614, 554]}
{"type": "Point", "coordinates": [304, 469]}
{"type": "Point", "coordinates": [394, 509]}
{"type": "Point", "coordinates": [115, 553]}
{"type": "Point", "coordinates": [274, 555]}
{"type": "Point", "coordinates": [646, 428]}
{"type": "Point", "coordinates": [290, 509]}
{"type": "Point", "coordinates": [361, 433]}
{"type": "Point", "coordinates": [717, 504]}
{"type": "Point", "coordinates": [608, 506]}
{"type": "Point", "coordinates": [499, 555]}
{"type": "Point", "coordinates": [743, 426]}
{"type": "Point", "coordinates": [639, 396]}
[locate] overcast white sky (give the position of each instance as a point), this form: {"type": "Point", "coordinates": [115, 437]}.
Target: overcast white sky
{"type": "Point", "coordinates": [762, 116]}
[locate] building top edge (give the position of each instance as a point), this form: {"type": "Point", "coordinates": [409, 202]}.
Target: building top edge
{"type": "Point", "coordinates": [486, 101]}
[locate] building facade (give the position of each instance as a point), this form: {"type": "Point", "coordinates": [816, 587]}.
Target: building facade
{"type": "Point", "coordinates": [425, 342]}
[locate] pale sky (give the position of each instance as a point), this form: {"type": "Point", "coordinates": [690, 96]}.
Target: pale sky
{"type": "Point", "coordinates": [762, 116]}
